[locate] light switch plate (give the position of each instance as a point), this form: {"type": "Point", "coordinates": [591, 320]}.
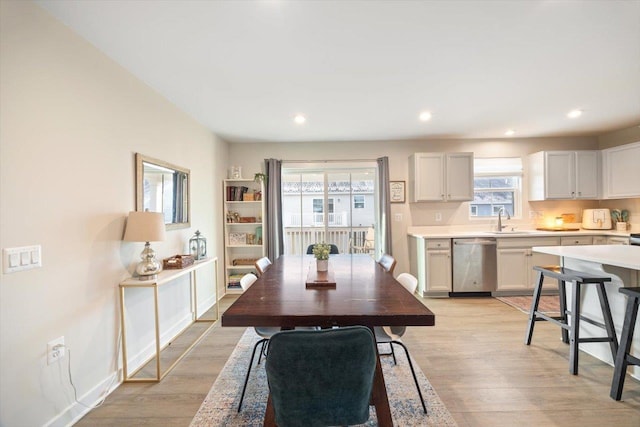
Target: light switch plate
{"type": "Point", "coordinates": [22, 258]}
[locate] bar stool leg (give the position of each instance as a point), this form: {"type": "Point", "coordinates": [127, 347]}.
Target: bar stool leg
{"type": "Point", "coordinates": [574, 330]}
{"type": "Point", "coordinates": [562, 296]}
{"type": "Point", "coordinates": [534, 308]}
{"type": "Point", "coordinates": [625, 347]}
{"type": "Point", "coordinates": [608, 320]}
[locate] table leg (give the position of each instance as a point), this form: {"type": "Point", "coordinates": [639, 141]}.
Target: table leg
{"type": "Point", "coordinates": [379, 397]}
{"type": "Point", "coordinates": [269, 414]}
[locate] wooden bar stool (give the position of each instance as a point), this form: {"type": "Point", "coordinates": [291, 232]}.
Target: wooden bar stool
{"type": "Point", "coordinates": [571, 330]}
{"type": "Point", "coordinates": [624, 358]}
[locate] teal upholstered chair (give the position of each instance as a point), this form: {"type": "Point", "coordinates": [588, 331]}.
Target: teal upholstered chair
{"type": "Point", "coordinates": [321, 378]}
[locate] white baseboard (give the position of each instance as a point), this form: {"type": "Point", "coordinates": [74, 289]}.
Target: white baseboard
{"type": "Point", "coordinates": [72, 413]}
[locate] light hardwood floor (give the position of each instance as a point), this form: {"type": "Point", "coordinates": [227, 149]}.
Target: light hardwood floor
{"type": "Point", "coordinates": [474, 357]}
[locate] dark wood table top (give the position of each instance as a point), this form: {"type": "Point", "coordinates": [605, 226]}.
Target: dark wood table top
{"type": "Point", "coordinates": [364, 294]}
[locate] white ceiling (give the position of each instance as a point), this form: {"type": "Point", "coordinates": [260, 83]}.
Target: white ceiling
{"type": "Point", "coordinates": [363, 70]}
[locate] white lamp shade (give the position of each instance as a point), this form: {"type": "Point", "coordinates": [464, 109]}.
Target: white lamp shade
{"type": "Point", "coordinates": [144, 227]}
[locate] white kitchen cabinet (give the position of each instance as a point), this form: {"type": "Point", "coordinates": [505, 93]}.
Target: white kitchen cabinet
{"type": "Point", "coordinates": [430, 263]}
{"type": "Point", "coordinates": [576, 241]}
{"type": "Point", "coordinates": [600, 240]}
{"type": "Point", "coordinates": [440, 177]}
{"type": "Point", "coordinates": [438, 274]}
{"type": "Point", "coordinates": [516, 260]}
{"type": "Point", "coordinates": [621, 171]}
{"type": "Point", "coordinates": [561, 175]}
{"type": "Point", "coordinates": [615, 240]}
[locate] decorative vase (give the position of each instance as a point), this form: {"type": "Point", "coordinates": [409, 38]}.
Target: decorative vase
{"type": "Point", "coordinates": [322, 264]}
{"type": "Point", "coordinates": [621, 226]}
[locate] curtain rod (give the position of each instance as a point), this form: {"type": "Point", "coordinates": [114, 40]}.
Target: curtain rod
{"type": "Point", "coordinates": [329, 161]}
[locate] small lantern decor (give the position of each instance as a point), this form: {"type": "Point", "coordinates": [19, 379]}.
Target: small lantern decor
{"type": "Point", "coordinates": [198, 246]}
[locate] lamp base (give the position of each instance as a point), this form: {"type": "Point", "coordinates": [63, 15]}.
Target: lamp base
{"type": "Point", "coordinates": [149, 268]}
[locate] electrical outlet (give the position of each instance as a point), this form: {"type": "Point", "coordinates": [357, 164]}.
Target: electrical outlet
{"type": "Point", "coordinates": [55, 350]}
{"type": "Point", "coordinates": [397, 217]}
{"type": "Point", "coordinates": [438, 216]}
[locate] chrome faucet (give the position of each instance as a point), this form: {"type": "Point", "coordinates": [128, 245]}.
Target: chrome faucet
{"type": "Point", "coordinates": [500, 226]}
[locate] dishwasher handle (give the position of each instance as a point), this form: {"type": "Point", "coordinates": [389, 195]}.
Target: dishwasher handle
{"type": "Point", "coordinates": [475, 242]}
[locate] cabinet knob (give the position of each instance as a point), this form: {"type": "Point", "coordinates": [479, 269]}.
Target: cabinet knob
{"type": "Point", "coordinates": [442, 196]}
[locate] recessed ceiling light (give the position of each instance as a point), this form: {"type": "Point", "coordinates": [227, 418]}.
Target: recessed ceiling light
{"type": "Point", "coordinates": [299, 119]}
{"type": "Point", "coordinates": [425, 116]}
{"type": "Point", "coordinates": [510, 132]}
{"type": "Point", "coordinates": [574, 114]}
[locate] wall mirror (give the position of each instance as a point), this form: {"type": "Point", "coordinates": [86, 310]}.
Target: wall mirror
{"type": "Point", "coordinates": [163, 187]}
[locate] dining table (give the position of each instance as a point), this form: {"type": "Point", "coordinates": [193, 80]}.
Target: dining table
{"type": "Point", "coordinates": [355, 290]}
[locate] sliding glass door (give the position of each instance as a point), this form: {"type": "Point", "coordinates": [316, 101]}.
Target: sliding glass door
{"type": "Point", "coordinates": [327, 203]}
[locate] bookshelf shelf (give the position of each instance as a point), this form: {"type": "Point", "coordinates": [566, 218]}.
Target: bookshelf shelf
{"type": "Point", "coordinates": [244, 231]}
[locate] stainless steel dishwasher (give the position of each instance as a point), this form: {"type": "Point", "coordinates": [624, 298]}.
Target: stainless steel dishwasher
{"type": "Point", "coordinates": [474, 265]}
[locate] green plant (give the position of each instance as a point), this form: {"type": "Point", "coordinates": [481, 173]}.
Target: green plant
{"type": "Point", "coordinates": [616, 215]}
{"type": "Point", "coordinates": [321, 251]}
{"type": "Point", "coordinates": [260, 177]}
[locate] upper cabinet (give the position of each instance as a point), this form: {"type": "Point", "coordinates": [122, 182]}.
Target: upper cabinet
{"type": "Point", "coordinates": [621, 171]}
{"type": "Point", "coordinates": [563, 175]}
{"type": "Point", "coordinates": [440, 177]}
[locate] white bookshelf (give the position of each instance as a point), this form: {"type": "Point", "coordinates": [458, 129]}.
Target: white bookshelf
{"type": "Point", "coordinates": [241, 235]}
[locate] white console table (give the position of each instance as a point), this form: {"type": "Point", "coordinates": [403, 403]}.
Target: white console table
{"type": "Point", "coordinates": [164, 277]}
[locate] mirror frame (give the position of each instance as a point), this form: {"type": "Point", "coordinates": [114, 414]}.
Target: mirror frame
{"type": "Point", "coordinates": [140, 160]}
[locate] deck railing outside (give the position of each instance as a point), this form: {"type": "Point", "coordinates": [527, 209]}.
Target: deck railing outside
{"type": "Point", "coordinates": [297, 239]}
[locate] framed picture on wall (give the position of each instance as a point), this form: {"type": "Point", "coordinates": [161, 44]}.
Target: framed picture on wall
{"type": "Point", "coordinates": [397, 191]}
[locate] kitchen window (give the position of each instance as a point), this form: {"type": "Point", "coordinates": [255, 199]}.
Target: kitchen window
{"type": "Point", "coordinates": [497, 184]}
{"type": "Point", "coordinates": [358, 201]}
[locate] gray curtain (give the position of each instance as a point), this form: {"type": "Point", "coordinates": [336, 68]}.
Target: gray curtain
{"type": "Point", "coordinates": [384, 213]}
{"type": "Point", "coordinates": [179, 190]}
{"type": "Point", "coordinates": [273, 203]}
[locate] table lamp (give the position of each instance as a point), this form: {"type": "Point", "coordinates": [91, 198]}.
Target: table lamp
{"type": "Point", "coordinates": [146, 227]}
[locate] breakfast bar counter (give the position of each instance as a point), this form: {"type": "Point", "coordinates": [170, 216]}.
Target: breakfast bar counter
{"type": "Point", "coordinates": [622, 264]}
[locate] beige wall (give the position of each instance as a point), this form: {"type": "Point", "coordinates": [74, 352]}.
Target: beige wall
{"type": "Point", "coordinates": [251, 156]}
{"type": "Point", "coordinates": [619, 137]}
{"type": "Point", "coordinates": [70, 123]}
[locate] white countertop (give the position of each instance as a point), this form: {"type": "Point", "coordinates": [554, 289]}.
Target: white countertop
{"type": "Point", "coordinates": [616, 255]}
{"type": "Point", "coordinates": [452, 232]}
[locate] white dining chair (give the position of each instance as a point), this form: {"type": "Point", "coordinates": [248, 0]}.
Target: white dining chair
{"type": "Point", "coordinates": [262, 265]}
{"type": "Point", "coordinates": [391, 334]}
{"type": "Point", "coordinates": [264, 332]}
{"type": "Point", "coordinates": [388, 262]}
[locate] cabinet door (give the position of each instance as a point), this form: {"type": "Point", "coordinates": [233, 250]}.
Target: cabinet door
{"type": "Point", "coordinates": [587, 174]}
{"type": "Point", "coordinates": [439, 271]}
{"type": "Point", "coordinates": [513, 269]}
{"type": "Point", "coordinates": [576, 241]}
{"type": "Point", "coordinates": [621, 172]}
{"type": "Point", "coordinates": [428, 177]}
{"type": "Point", "coordinates": [559, 174]}
{"type": "Point", "coordinates": [459, 172]}
{"type": "Point", "coordinates": [536, 258]}
{"type": "Point", "coordinates": [600, 240]}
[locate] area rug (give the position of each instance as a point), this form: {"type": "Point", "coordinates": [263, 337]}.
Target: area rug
{"type": "Point", "coordinates": [548, 303]}
{"type": "Point", "coordinates": [220, 406]}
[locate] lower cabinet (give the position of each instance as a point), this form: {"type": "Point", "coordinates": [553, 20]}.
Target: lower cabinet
{"type": "Point", "coordinates": [430, 262]}
{"type": "Point", "coordinates": [516, 261]}
{"type": "Point", "coordinates": [438, 266]}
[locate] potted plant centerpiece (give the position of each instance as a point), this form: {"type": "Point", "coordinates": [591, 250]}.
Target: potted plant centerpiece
{"type": "Point", "coordinates": [321, 253]}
